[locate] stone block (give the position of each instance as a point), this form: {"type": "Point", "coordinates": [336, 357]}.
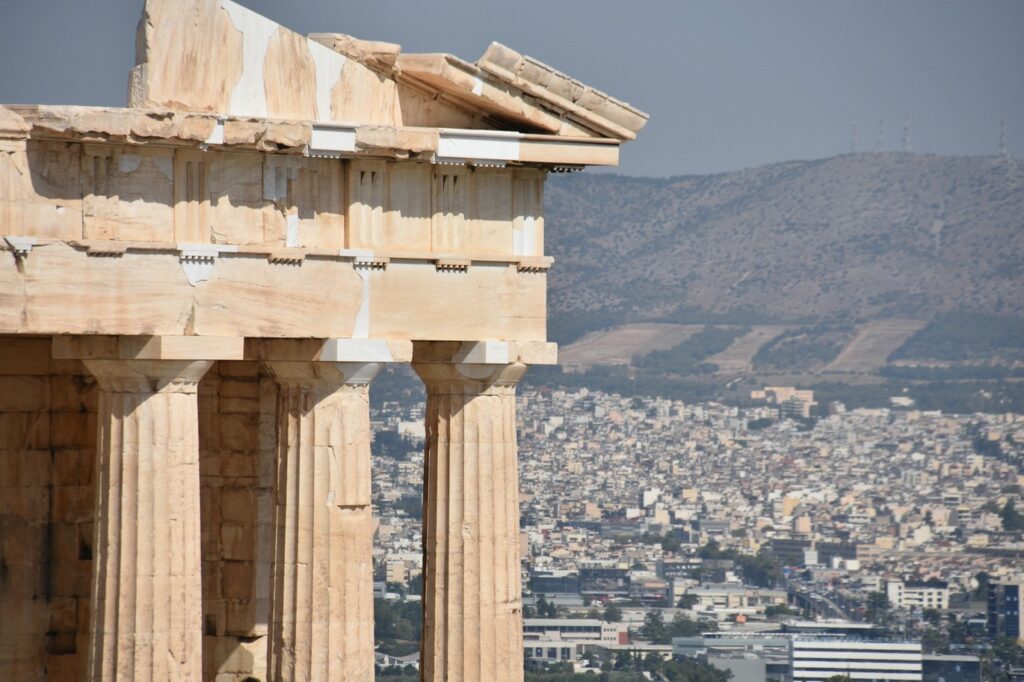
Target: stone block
{"type": "Point", "coordinates": [236, 580]}
{"type": "Point", "coordinates": [213, 616]}
{"type": "Point", "coordinates": [238, 431]}
{"type": "Point", "coordinates": [72, 429]}
{"type": "Point", "coordinates": [209, 433]}
{"type": "Point", "coordinates": [84, 612]}
{"type": "Point", "coordinates": [240, 388]}
{"type": "Point", "coordinates": [69, 667]}
{"type": "Point", "coordinates": [27, 580]}
{"type": "Point", "coordinates": [68, 367]}
{"type": "Point", "coordinates": [24, 356]}
{"type": "Point", "coordinates": [23, 393]}
{"type": "Point", "coordinates": [22, 543]}
{"type": "Point", "coordinates": [231, 405]}
{"type": "Point", "coordinates": [210, 541]}
{"type": "Point", "coordinates": [20, 468]}
{"type": "Point", "coordinates": [235, 465]}
{"type": "Point", "coordinates": [10, 466]}
{"type": "Point", "coordinates": [86, 465]}
{"type": "Point", "coordinates": [67, 467]}
{"type": "Point", "coordinates": [73, 393]}
{"type": "Point", "coordinates": [86, 539]}
{"type": "Point", "coordinates": [209, 657]}
{"type": "Point", "coordinates": [209, 502]}
{"type": "Point", "coordinates": [238, 542]}
{"type": "Point", "coordinates": [64, 541]}
{"type": "Point", "coordinates": [24, 430]}
{"type": "Point", "coordinates": [238, 505]}
{"type": "Point", "coordinates": [73, 504]}
{"type": "Point", "coordinates": [209, 466]}
{"type": "Point", "coordinates": [211, 578]}
{"type": "Point", "coordinates": [64, 615]}
{"type": "Point", "coordinates": [209, 398]}
{"type": "Point", "coordinates": [61, 644]}
{"type": "Point", "coordinates": [231, 657]}
{"type": "Point", "coordinates": [241, 618]}
{"type": "Point", "coordinates": [83, 578]}
{"type": "Point", "coordinates": [238, 368]}
{"type": "Point", "coordinates": [25, 503]}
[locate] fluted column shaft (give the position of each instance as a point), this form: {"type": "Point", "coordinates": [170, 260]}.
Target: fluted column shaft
{"type": "Point", "coordinates": [322, 600]}
{"type": "Point", "coordinates": [472, 593]}
{"type": "Point", "coordinates": [147, 588]}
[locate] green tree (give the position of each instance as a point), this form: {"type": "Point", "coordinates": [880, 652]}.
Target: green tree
{"type": "Point", "coordinates": [877, 607]}
{"type": "Point", "coordinates": [778, 610]}
{"type": "Point", "coordinates": [1008, 651]}
{"type": "Point", "coordinates": [652, 662]}
{"type": "Point", "coordinates": [711, 551]}
{"type": "Point", "coordinates": [612, 614]}
{"type": "Point", "coordinates": [933, 641]}
{"type": "Point", "coordinates": [983, 579]}
{"type": "Point", "coordinates": [687, 601]}
{"type": "Point", "coordinates": [673, 541]}
{"type": "Point", "coordinates": [763, 569]}
{"type": "Point", "coordinates": [546, 609]}
{"type": "Point", "coordinates": [957, 632]}
{"type": "Point", "coordinates": [654, 628]}
{"type": "Point", "coordinates": [682, 626]}
{"type": "Point", "coordinates": [1013, 520]}
{"type": "Point", "coordinates": [416, 584]}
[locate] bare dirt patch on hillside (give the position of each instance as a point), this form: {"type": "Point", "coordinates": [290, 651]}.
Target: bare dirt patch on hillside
{"type": "Point", "coordinates": [874, 342]}
{"type": "Point", "coordinates": [738, 358]}
{"type": "Point", "coordinates": [618, 345]}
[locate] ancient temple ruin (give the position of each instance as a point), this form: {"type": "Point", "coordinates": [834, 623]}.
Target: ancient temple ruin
{"type": "Point", "coordinates": [196, 292]}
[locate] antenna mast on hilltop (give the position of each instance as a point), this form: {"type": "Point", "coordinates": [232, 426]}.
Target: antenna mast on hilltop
{"type": "Point", "coordinates": [906, 135]}
{"type": "Point", "coordinates": [853, 138]}
{"type": "Point", "coordinates": [1002, 138]}
{"type": "Point", "coordinates": [881, 134]}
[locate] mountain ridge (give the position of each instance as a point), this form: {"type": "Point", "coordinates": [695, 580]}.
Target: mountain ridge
{"type": "Point", "coordinates": [853, 238]}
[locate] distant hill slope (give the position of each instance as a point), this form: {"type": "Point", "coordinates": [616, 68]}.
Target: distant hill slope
{"type": "Point", "coordinates": [850, 238]}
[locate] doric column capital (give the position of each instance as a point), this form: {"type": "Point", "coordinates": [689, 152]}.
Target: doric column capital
{"type": "Point", "coordinates": [469, 379]}
{"type": "Point", "coordinates": [148, 376]}
{"type": "Point", "coordinates": [330, 376]}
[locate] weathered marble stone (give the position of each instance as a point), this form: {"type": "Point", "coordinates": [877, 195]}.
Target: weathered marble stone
{"type": "Point", "coordinates": [195, 291]}
{"type": "Point", "coordinates": [473, 627]}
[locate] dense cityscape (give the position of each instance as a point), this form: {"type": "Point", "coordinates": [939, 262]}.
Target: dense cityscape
{"type": "Point", "coordinates": [659, 534]}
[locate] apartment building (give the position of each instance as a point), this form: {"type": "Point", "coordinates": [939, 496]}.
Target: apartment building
{"type": "Point", "coordinates": [815, 659]}
{"type": "Point", "coordinates": [931, 594]}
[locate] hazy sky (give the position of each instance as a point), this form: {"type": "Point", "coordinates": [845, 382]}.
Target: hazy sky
{"type": "Point", "coordinates": [728, 84]}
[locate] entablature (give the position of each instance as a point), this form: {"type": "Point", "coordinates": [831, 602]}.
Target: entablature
{"type": "Point", "coordinates": [49, 286]}
{"type": "Point", "coordinates": [303, 138]}
{"type": "Point", "coordinates": [168, 178]}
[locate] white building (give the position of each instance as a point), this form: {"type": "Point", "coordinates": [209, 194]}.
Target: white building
{"type": "Point", "coordinates": [584, 630]}
{"type": "Point", "coordinates": [815, 659]}
{"type": "Point", "coordinates": [548, 651]}
{"type": "Point", "coordinates": [933, 594]}
{"type": "Point", "coordinates": [730, 599]}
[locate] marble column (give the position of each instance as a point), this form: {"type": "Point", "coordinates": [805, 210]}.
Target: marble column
{"type": "Point", "coordinates": [322, 598]}
{"type": "Point", "coordinates": [147, 591]}
{"type": "Point", "coordinates": [473, 628]}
